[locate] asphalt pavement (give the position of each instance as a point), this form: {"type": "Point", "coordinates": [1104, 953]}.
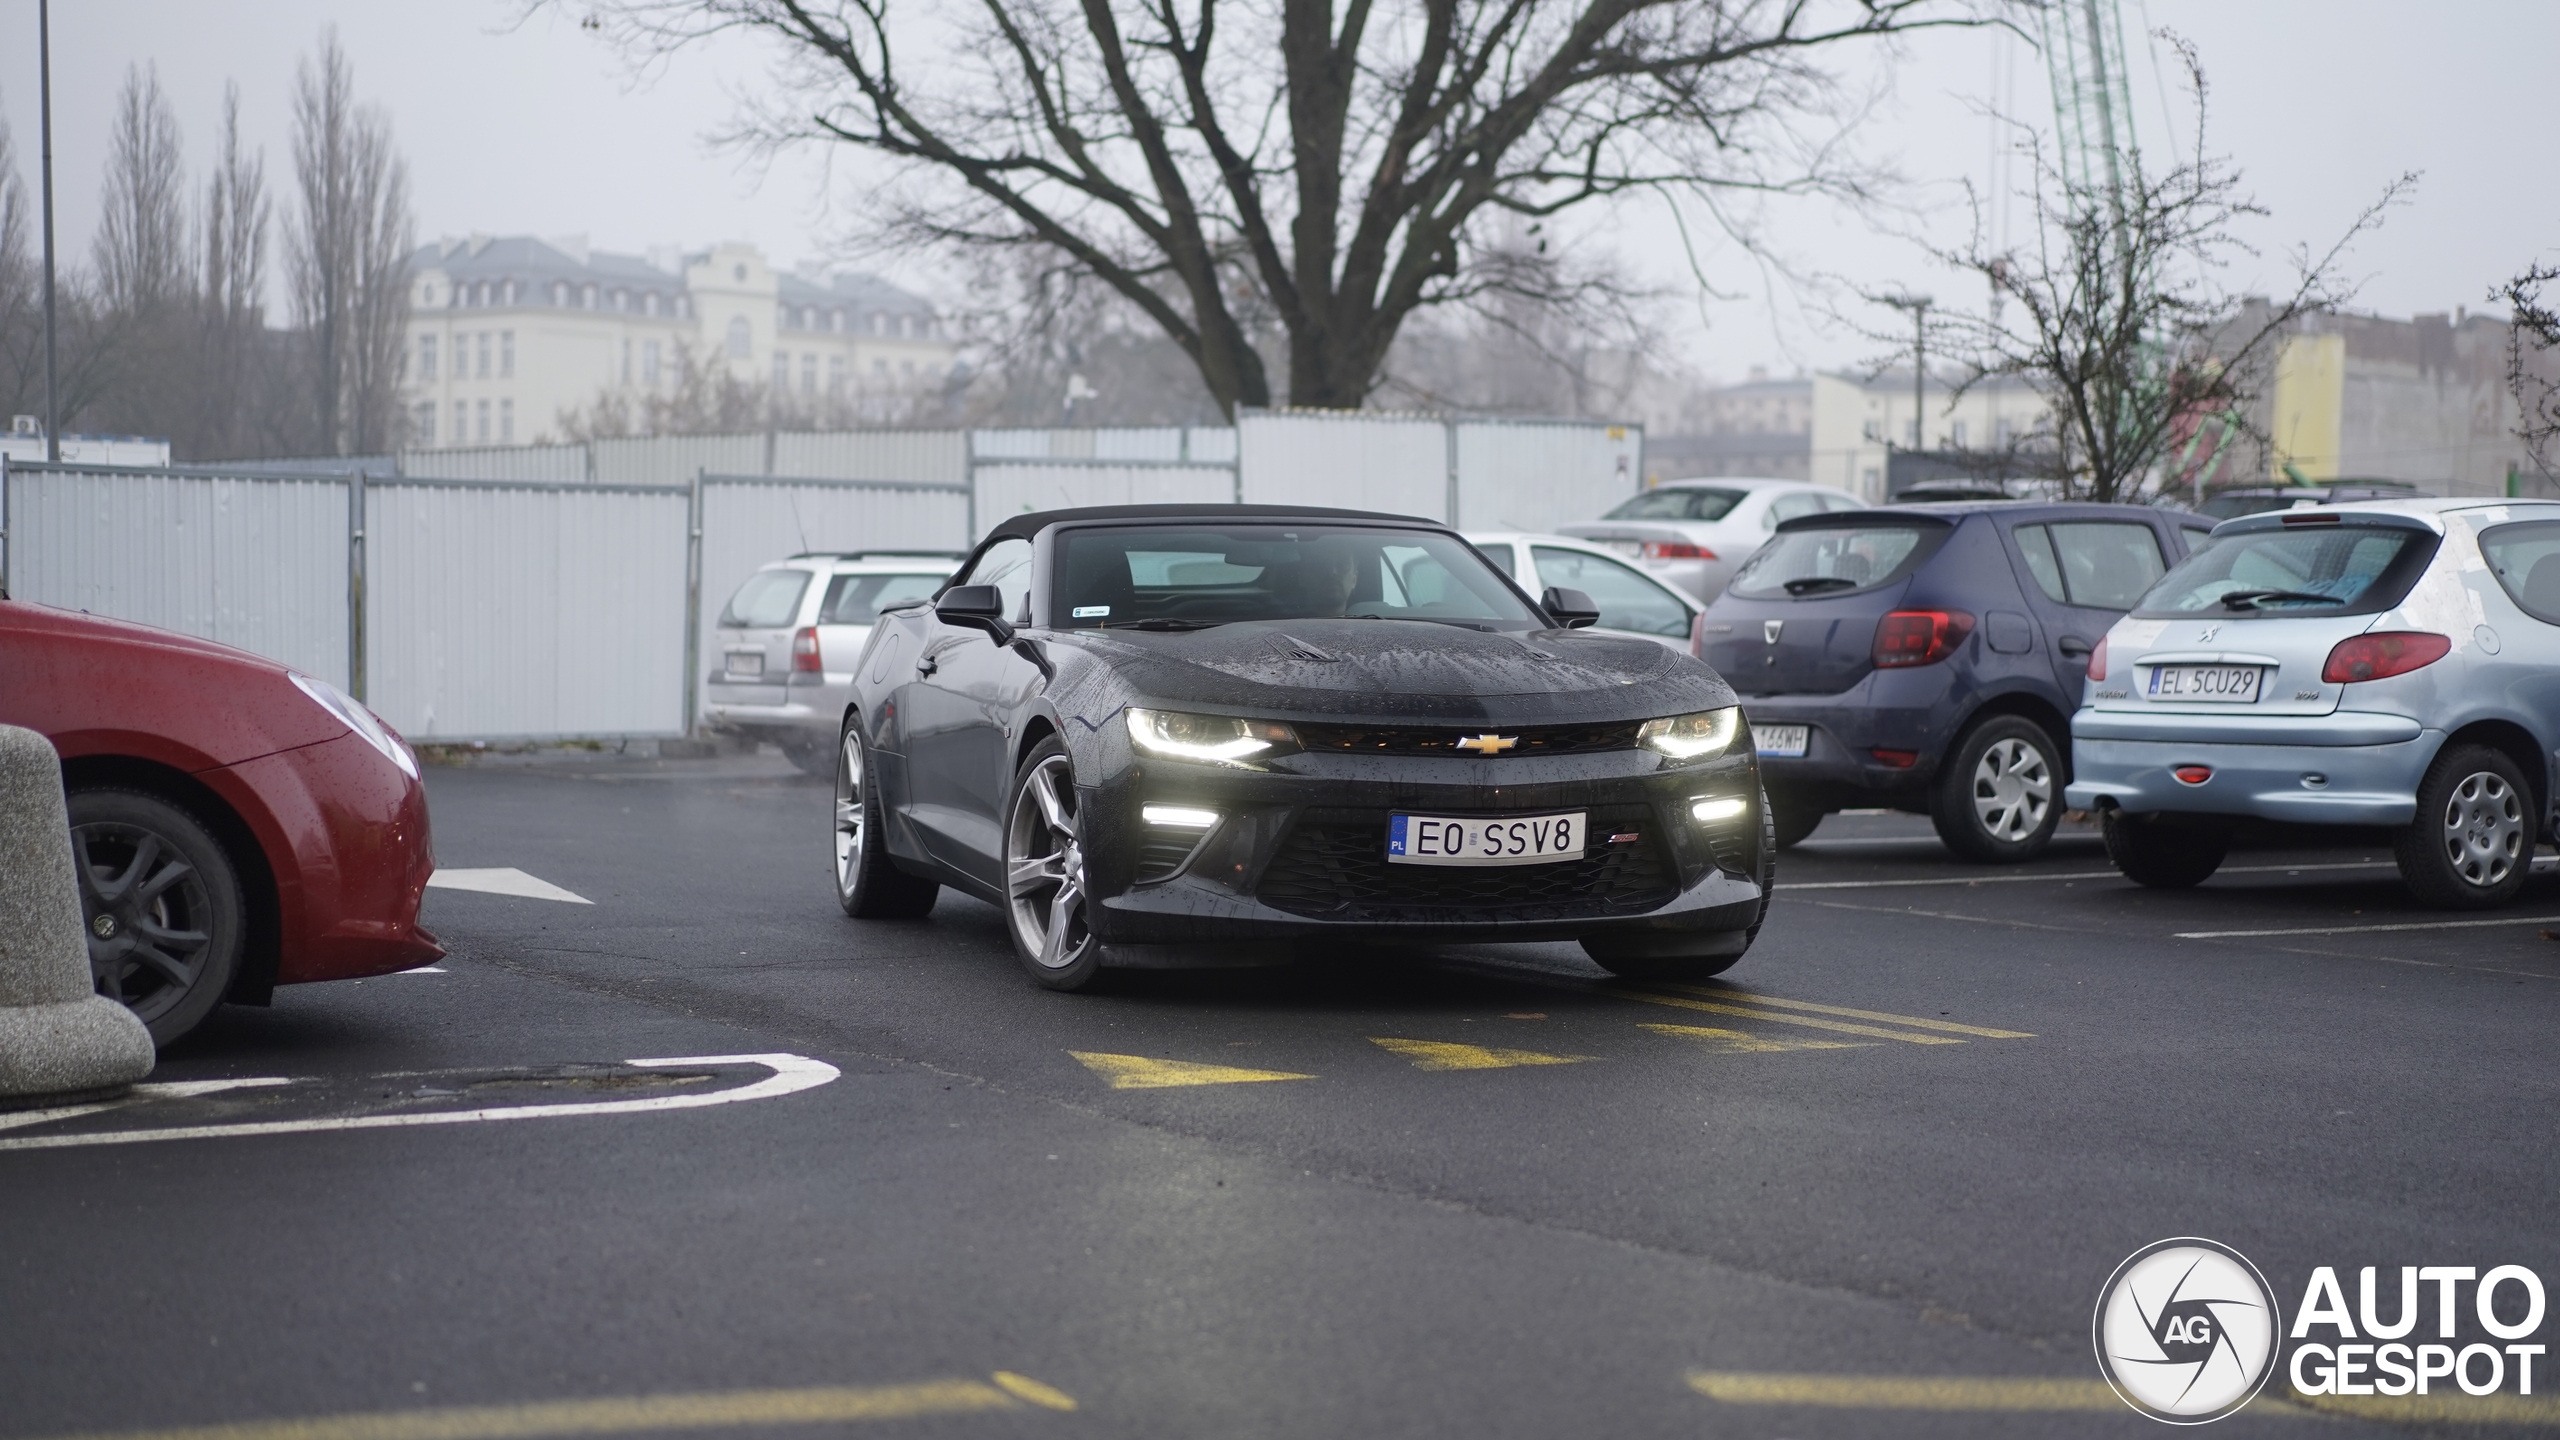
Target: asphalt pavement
{"type": "Point", "coordinates": [705, 1138]}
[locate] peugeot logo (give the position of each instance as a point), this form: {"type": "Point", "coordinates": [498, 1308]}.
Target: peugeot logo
{"type": "Point", "coordinates": [1769, 631]}
{"type": "Point", "coordinates": [2205, 635]}
{"type": "Point", "coordinates": [1488, 744]}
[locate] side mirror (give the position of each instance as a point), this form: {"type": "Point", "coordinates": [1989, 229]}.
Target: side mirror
{"type": "Point", "coordinates": [980, 607]}
{"type": "Point", "coordinates": [1572, 609]}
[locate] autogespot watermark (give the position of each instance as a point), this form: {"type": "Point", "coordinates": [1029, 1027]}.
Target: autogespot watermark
{"type": "Point", "coordinates": [2188, 1331]}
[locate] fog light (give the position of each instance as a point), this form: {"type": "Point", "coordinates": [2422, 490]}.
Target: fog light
{"type": "Point", "coordinates": [1709, 811]}
{"type": "Point", "coordinates": [1178, 817]}
{"type": "Point", "coordinates": [1898, 759]}
{"type": "Point", "coordinates": [2193, 774]}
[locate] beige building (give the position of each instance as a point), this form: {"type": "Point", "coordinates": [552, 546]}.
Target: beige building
{"type": "Point", "coordinates": [508, 334]}
{"type": "Point", "coordinates": [1855, 419]}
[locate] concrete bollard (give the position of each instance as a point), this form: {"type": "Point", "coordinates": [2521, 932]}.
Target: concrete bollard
{"type": "Point", "coordinates": [57, 1034]}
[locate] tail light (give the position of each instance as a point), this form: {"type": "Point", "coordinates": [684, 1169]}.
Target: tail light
{"type": "Point", "coordinates": [1919, 637]}
{"type": "Point", "coordinates": [2098, 660]}
{"type": "Point", "coordinates": [2381, 656]}
{"type": "Point", "coordinates": [804, 650]}
{"type": "Point", "coordinates": [1676, 550]}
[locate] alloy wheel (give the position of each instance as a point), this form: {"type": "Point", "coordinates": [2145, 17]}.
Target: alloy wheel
{"type": "Point", "coordinates": [848, 810]}
{"type": "Point", "coordinates": [1044, 867]}
{"type": "Point", "coordinates": [147, 915]}
{"type": "Point", "coordinates": [2012, 790]}
{"type": "Point", "coordinates": [2483, 828]}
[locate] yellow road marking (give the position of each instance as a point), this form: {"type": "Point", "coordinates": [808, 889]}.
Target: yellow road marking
{"type": "Point", "coordinates": [1916, 1022]}
{"type": "Point", "coordinates": [833, 1404]}
{"type": "Point", "coordinates": [1440, 1055]}
{"type": "Point", "coordinates": [1734, 1042]}
{"type": "Point", "coordinates": [1137, 1072]}
{"type": "Point", "coordinates": [1840, 1026]}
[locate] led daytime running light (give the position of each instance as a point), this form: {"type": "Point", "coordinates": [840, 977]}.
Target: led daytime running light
{"type": "Point", "coordinates": [1710, 811]}
{"type": "Point", "coordinates": [1178, 817]}
{"type": "Point", "coordinates": [1692, 737]}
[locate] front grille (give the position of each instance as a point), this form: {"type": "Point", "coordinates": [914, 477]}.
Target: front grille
{"type": "Point", "coordinates": [1333, 866]}
{"type": "Point", "coordinates": [1163, 852]}
{"type": "Point", "coordinates": [1439, 740]}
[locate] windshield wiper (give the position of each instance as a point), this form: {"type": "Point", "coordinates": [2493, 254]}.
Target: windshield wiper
{"type": "Point", "coordinates": [1168, 622]}
{"type": "Point", "coordinates": [2252, 599]}
{"type": "Point", "coordinates": [1427, 620]}
{"type": "Point", "coordinates": [1815, 584]}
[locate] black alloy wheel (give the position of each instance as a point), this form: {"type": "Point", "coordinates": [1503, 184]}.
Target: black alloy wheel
{"type": "Point", "coordinates": [2471, 846]}
{"type": "Point", "coordinates": [868, 884]}
{"type": "Point", "coordinates": [2162, 853]}
{"type": "Point", "coordinates": [1998, 796]}
{"type": "Point", "coordinates": [1044, 869]}
{"type": "Point", "coordinates": [160, 906]}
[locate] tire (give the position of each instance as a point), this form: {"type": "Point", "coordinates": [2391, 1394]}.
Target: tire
{"type": "Point", "coordinates": [1045, 906]}
{"type": "Point", "coordinates": [1999, 793]}
{"type": "Point", "coordinates": [868, 885]}
{"type": "Point", "coordinates": [2472, 844]}
{"type": "Point", "coordinates": [810, 756]}
{"type": "Point", "coordinates": [160, 904]}
{"type": "Point", "coordinates": [1795, 819]}
{"type": "Point", "coordinates": [2163, 854]}
{"type": "Point", "coordinates": [1631, 958]}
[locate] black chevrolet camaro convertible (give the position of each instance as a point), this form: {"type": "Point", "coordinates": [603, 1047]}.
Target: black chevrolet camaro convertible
{"type": "Point", "coordinates": [1164, 735]}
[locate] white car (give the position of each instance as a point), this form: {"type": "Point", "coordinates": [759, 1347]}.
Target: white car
{"type": "Point", "coordinates": [1696, 533]}
{"type": "Point", "coordinates": [782, 667]}
{"type": "Point", "coordinates": [1631, 602]}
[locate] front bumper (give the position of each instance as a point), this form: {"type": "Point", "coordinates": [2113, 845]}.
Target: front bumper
{"type": "Point", "coordinates": [1299, 851]}
{"type": "Point", "coordinates": [2349, 768]}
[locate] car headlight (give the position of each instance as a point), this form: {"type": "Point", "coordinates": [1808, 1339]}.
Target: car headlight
{"type": "Point", "coordinates": [1218, 739]}
{"type": "Point", "coordinates": [351, 712]}
{"type": "Point", "coordinates": [1699, 736]}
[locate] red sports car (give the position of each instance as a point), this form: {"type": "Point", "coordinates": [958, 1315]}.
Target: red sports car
{"type": "Point", "coordinates": [237, 826]}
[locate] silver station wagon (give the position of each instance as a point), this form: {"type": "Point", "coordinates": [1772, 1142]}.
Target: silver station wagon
{"type": "Point", "coordinates": [784, 649]}
{"type": "Point", "coordinates": [2388, 663]}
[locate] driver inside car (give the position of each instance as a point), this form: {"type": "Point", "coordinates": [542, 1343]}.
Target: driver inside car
{"type": "Point", "coordinates": [1321, 583]}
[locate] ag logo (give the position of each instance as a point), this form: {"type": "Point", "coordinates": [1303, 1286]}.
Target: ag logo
{"type": "Point", "coordinates": [2186, 1331]}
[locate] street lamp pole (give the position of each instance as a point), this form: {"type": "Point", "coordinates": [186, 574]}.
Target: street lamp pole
{"type": "Point", "coordinates": [44, 100]}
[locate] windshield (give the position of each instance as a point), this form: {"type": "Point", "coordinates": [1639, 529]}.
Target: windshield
{"type": "Point", "coordinates": [1168, 578]}
{"type": "Point", "coordinates": [1833, 560]}
{"type": "Point", "coordinates": [769, 600]}
{"type": "Point", "coordinates": [2327, 569]}
{"type": "Point", "coordinates": [1680, 503]}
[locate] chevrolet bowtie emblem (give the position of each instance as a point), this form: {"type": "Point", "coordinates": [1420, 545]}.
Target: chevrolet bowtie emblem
{"type": "Point", "coordinates": [1770, 629]}
{"type": "Point", "coordinates": [1488, 744]}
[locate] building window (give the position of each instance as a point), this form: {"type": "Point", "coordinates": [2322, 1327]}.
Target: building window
{"type": "Point", "coordinates": [508, 295]}
{"type": "Point", "coordinates": [880, 368]}
{"type": "Point", "coordinates": [809, 374]}
{"type": "Point", "coordinates": [1955, 434]}
{"type": "Point", "coordinates": [506, 422]}
{"type": "Point", "coordinates": [906, 327]}
{"type": "Point", "coordinates": [1911, 435]}
{"type": "Point", "coordinates": [741, 273]}
{"type": "Point", "coordinates": [424, 424]}
{"type": "Point", "coordinates": [684, 307]}
{"type": "Point", "coordinates": [484, 422]}
{"type": "Point", "coordinates": [1867, 483]}
{"type": "Point", "coordinates": [782, 317]}
{"type": "Point", "coordinates": [741, 339]}
{"type": "Point", "coordinates": [1874, 430]}
{"type": "Point", "coordinates": [835, 321]}
{"type": "Point", "coordinates": [2000, 431]}
{"type": "Point", "coordinates": [587, 298]}
{"type": "Point", "coordinates": [626, 361]}
{"type": "Point", "coordinates": [835, 375]}
{"type": "Point", "coordinates": [506, 354]}
{"type": "Point", "coordinates": [907, 368]}
{"type": "Point", "coordinates": [480, 349]}
{"type": "Point", "coordinates": [781, 373]}
{"type": "Point", "coordinates": [426, 357]}
{"type": "Point", "coordinates": [560, 294]}
{"type": "Point", "coordinates": [875, 322]}
{"type": "Point", "coordinates": [649, 362]}
{"type": "Point", "coordinates": [649, 304]}
{"type": "Point", "coordinates": [426, 295]}
{"type": "Point", "coordinates": [622, 300]}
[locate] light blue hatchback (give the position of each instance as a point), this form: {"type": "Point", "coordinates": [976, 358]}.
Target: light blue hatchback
{"type": "Point", "coordinates": [2392, 663]}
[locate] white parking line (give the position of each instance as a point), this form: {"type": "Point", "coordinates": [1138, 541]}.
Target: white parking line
{"type": "Point", "coordinates": [157, 1090]}
{"type": "Point", "coordinates": [504, 880]}
{"type": "Point", "coordinates": [790, 1073]}
{"type": "Point", "coordinates": [2077, 875]}
{"type": "Point", "coordinates": [2366, 929]}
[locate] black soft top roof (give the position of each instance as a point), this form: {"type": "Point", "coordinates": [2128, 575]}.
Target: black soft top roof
{"type": "Point", "coordinates": [1026, 526]}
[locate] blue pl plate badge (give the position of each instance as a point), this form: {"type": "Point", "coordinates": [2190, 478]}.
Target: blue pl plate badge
{"type": "Point", "coordinates": [1395, 834]}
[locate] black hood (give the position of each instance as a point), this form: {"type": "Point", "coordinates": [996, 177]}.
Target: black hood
{"type": "Point", "coordinates": [1406, 669]}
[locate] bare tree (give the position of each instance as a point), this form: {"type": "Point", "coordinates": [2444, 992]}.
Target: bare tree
{"type": "Point", "coordinates": [2533, 363]}
{"type": "Point", "coordinates": [140, 253]}
{"type": "Point", "coordinates": [2117, 313]}
{"type": "Point", "coordinates": [347, 255]}
{"type": "Point", "coordinates": [1331, 170]}
{"type": "Point", "coordinates": [231, 315]}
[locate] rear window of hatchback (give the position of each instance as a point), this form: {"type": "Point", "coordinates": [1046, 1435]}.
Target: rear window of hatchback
{"type": "Point", "coordinates": [1835, 559]}
{"type": "Point", "coordinates": [2325, 567]}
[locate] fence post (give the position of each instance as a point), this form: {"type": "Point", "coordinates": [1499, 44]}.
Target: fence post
{"type": "Point", "coordinates": [7, 547]}
{"type": "Point", "coordinates": [1449, 434]}
{"type": "Point", "coordinates": [355, 583]}
{"type": "Point", "coordinates": [692, 596]}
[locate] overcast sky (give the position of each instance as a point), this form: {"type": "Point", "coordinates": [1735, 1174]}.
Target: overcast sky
{"type": "Point", "coordinates": [538, 128]}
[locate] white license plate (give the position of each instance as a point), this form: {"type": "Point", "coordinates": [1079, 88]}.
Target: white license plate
{"type": "Point", "coordinates": [1632, 549]}
{"type": "Point", "coordinates": [746, 662]}
{"type": "Point", "coordinates": [1477, 840]}
{"type": "Point", "coordinates": [2209, 684]}
{"type": "Point", "coordinates": [1780, 739]}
